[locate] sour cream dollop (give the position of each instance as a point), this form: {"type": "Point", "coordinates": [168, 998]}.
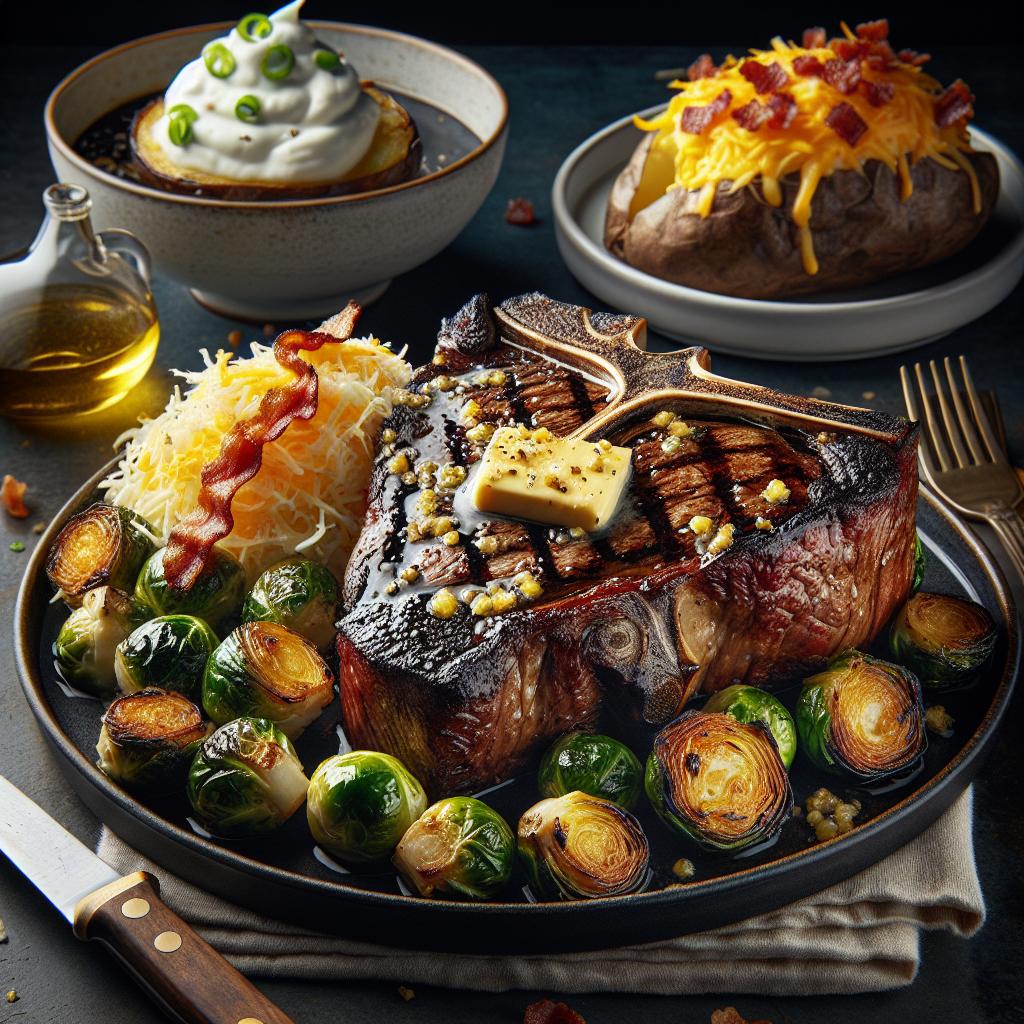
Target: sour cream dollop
{"type": "Point", "coordinates": [312, 124]}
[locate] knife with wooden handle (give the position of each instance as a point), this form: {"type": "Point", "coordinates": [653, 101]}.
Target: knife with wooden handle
{"type": "Point", "coordinates": [188, 978]}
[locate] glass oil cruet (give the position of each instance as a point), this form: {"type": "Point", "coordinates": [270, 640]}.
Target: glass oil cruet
{"type": "Point", "coordinates": [78, 325]}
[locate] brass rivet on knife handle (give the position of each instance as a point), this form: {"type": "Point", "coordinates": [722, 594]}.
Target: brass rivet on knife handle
{"type": "Point", "coordinates": [197, 985]}
{"type": "Point", "coordinates": [612, 349]}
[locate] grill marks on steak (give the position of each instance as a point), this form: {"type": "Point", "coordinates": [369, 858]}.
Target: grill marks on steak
{"type": "Point", "coordinates": [632, 620]}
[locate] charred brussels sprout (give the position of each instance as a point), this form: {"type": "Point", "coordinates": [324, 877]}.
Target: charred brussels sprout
{"type": "Point", "coordinates": [579, 846]}
{"type": "Point", "coordinates": [945, 640]}
{"type": "Point", "coordinates": [86, 644]}
{"type": "Point", "coordinates": [360, 805]}
{"type": "Point", "coordinates": [861, 717]}
{"type": "Point", "coordinates": [169, 652]}
{"type": "Point", "coordinates": [103, 546]}
{"type": "Point", "coordinates": [267, 670]}
{"type": "Point", "coordinates": [719, 781]}
{"type": "Point", "coordinates": [246, 779]}
{"type": "Point", "coordinates": [458, 847]}
{"type": "Point", "coordinates": [299, 594]}
{"type": "Point", "coordinates": [149, 738]}
{"type": "Point", "coordinates": [748, 704]}
{"type": "Point", "coordinates": [598, 765]}
{"type": "Point", "coordinates": [215, 597]}
{"type": "Point", "coordinates": [920, 564]}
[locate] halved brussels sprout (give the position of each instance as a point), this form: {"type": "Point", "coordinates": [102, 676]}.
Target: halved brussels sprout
{"type": "Point", "coordinates": [360, 805]}
{"type": "Point", "coordinates": [246, 779]}
{"type": "Point", "coordinates": [749, 704]}
{"type": "Point", "coordinates": [104, 545]}
{"type": "Point", "coordinates": [168, 652]}
{"type": "Point", "coordinates": [920, 564]}
{"type": "Point", "coordinates": [579, 846]}
{"type": "Point", "coordinates": [148, 739]}
{"type": "Point", "coordinates": [87, 642]}
{"type": "Point", "coordinates": [861, 717]}
{"type": "Point", "coordinates": [594, 764]}
{"type": "Point", "coordinates": [215, 597]}
{"type": "Point", "coordinates": [299, 594]}
{"type": "Point", "coordinates": [267, 670]}
{"type": "Point", "coordinates": [719, 781]}
{"type": "Point", "coordinates": [945, 640]}
{"type": "Point", "coordinates": [458, 847]}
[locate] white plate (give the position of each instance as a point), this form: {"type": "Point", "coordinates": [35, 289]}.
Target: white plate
{"type": "Point", "coordinates": [888, 316]}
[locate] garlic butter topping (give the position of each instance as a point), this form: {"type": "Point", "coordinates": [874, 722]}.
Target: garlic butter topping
{"type": "Point", "coordinates": [268, 102]}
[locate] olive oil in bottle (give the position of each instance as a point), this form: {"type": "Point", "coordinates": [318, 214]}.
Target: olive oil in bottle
{"type": "Point", "coordinates": [78, 327]}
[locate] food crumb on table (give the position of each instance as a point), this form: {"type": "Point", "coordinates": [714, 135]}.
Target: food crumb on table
{"type": "Point", "coordinates": [821, 392]}
{"type": "Point", "coordinates": [12, 493]}
{"type": "Point", "coordinates": [406, 993]}
{"type": "Point", "coordinates": [520, 212]}
{"type": "Point", "coordinates": [234, 338]}
{"type": "Point", "coordinates": [12, 996]}
{"type": "Point", "coordinates": [38, 527]}
{"type": "Point", "coordinates": [730, 1015]}
{"type": "Point", "coordinates": [268, 330]}
{"type": "Point", "coordinates": [547, 1011]}
{"type": "Point", "coordinates": [16, 546]}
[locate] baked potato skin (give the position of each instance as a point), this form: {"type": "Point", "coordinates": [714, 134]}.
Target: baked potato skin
{"type": "Point", "coordinates": [745, 247]}
{"type": "Point", "coordinates": [394, 156]}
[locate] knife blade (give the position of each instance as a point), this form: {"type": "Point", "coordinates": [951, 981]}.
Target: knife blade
{"type": "Point", "coordinates": [187, 977]}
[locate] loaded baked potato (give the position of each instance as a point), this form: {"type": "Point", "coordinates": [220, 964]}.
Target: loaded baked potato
{"type": "Point", "coordinates": [803, 169]}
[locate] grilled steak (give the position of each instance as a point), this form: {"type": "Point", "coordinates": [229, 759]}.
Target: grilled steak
{"type": "Point", "coordinates": [636, 619]}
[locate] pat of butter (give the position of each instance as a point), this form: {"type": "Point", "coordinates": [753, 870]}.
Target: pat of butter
{"type": "Point", "coordinates": [531, 474]}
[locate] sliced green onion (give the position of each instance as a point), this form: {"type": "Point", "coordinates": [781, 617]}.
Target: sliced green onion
{"type": "Point", "coordinates": [255, 26]}
{"type": "Point", "coordinates": [183, 110]}
{"type": "Point", "coordinates": [326, 59]}
{"type": "Point", "coordinates": [278, 62]}
{"type": "Point", "coordinates": [247, 108]}
{"type": "Point", "coordinates": [179, 130]}
{"type": "Point", "coordinates": [219, 60]}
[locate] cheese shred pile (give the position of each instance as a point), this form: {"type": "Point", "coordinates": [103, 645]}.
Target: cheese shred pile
{"type": "Point", "coordinates": [310, 493]}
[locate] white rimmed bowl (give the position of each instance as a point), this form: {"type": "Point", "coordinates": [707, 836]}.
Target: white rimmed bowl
{"type": "Point", "coordinates": [294, 259]}
{"type": "Point", "coordinates": [887, 316]}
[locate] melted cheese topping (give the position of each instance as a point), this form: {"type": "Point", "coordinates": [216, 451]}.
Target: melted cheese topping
{"type": "Point", "coordinates": [899, 131]}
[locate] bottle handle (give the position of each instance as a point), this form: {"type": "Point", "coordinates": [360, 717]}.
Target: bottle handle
{"type": "Point", "coordinates": [124, 243]}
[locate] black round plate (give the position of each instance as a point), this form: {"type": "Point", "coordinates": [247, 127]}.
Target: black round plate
{"type": "Point", "coordinates": [283, 877]}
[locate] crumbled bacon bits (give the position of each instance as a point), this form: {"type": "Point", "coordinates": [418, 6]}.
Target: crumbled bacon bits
{"type": "Point", "coordinates": [878, 93]}
{"type": "Point", "coordinates": [764, 77]}
{"type": "Point", "coordinates": [913, 57]}
{"type": "Point", "coordinates": [778, 112]}
{"type": "Point", "coordinates": [814, 38]}
{"type": "Point", "coordinates": [547, 1011]}
{"type": "Point", "coordinates": [873, 31]}
{"type": "Point", "coordinates": [843, 75]}
{"type": "Point", "coordinates": [954, 104]}
{"type": "Point", "coordinates": [520, 211]}
{"type": "Point", "coordinates": [12, 493]}
{"type": "Point", "coordinates": [808, 66]}
{"type": "Point", "coordinates": [702, 67]}
{"type": "Point", "coordinates": [846, 123]}
{"type": "Point", "coordinates": [697, 120]}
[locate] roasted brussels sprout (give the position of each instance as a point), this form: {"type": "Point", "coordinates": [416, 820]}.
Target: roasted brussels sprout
{"type": "Point", "coordinates": [719, 781]}
{"type": "Point", "coordinates": [169, 652]}
{"type": "Point", "coordinates": [216, 596]}
{"type": "Point", "coordinates": [920, 564]}
{"type": "Point", "coordinates": [299, 594]}
{"type": "Point", "coordinates": [360, 805]}
{"type": "Point", "coordinates": [104, 545]}
{"type": "Point", "coordinates": [579, 846]}
{"type": "Point", "coordinates": [598, 765]}
{"type": "Point", "coordinates": [85, 646]}
{"type": "Point", "coordinates": [944, 640]}
{"type": "Point", "coordinates": [861, 717]}
{"type": "Point", "coordinates": [267, 670]}
{"type": "Point", "coordinates": [458, 847]}
{"type": "Point", "coordinates": [148, 739]}
{"type": "Point", "coordinates": [246, 779]}
{"type": "Point", "coordinates": [749, 704]}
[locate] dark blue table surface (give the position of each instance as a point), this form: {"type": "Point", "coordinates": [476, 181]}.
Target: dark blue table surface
{"type": "Point", "coordinates": [558, 96]}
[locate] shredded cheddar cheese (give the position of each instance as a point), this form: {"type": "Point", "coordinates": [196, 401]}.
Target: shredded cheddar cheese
{"type": "Point", "coordinates": [900, 132]}
{"type": "Point", "coordinates": [310, 492]}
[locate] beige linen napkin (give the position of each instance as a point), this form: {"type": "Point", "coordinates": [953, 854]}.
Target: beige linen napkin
{"type": "Point", "coordinates": [861, 935]}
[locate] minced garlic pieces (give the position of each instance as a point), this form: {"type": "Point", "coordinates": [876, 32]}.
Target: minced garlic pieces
{"type": "Point", "coordinates": [722, 540]}
{"type": "Point", "coordinates": [531, 474]}
{"type": "Point", "coordinates": [760, 523]}
{"type": "Point", "coordinates": [701, 525]}
{"type": "Point", "coordinates": [443, 604]}
{"type": "Point", "coordinates": [776, 493]}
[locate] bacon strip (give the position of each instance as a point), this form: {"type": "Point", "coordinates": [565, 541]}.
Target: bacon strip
{"type": "Point", "coordinates": [764, 77]}
{"type": "Point", "coordinates": [846, 123]}
{"type": "Point", "coordinates": [241, 451]}
{"type": "Point", "coordinates": [697, 120]}
{"type": "Point", "coordinates": [954, 104]}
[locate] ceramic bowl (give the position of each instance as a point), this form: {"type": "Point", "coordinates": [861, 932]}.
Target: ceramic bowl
{"type": "Point", "coordinates": [296, 259]}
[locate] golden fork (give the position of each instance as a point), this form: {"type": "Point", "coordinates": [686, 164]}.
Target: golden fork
{"type": "Point", "coordinates": [960, 454]}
